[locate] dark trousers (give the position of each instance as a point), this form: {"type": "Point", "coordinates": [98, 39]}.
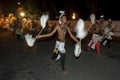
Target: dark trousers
{"type": "Point", "coordinates": [63, 55]}
{"type": "Point", "coordinates": [108, 42]}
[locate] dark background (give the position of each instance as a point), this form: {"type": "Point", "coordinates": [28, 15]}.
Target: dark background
{"type": "Point", "coordinates": [83, 8]}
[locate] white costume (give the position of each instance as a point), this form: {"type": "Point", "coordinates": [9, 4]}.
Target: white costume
{"type": "Point", "coordinates": [95, 39]}
{"type": "Point", "coordinates": [59, 47]}
{"type": "Point", "coordinates": [108, 36]}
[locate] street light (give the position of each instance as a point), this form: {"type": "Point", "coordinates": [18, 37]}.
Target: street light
{"type": "Point", "coordinates": [19, 3]}
{"type": "Point", "coordinates": [22, 14]}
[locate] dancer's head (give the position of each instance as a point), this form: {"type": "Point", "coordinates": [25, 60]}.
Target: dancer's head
{"type": "Point", "coordinates": [63, 19]}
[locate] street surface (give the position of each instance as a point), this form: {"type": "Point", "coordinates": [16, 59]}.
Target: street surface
{"type": "Point", "coordinates": [20, 62]}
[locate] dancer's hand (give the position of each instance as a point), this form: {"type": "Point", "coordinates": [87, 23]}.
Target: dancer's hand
{"type": "Point", "coordinates": [38, 36]}
{"type": "Point", "coordinates": [79, 43]}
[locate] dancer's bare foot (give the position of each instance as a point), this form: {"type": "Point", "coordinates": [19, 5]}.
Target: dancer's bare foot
{"type": "Point", "coordinates": [88, 48]}
{"type": "Point", "coordinates": [65, 72]}
{"type": "Point", "coordinates": [52, 61]}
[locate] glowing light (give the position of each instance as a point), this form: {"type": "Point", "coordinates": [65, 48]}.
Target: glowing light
{"type": "Point", "coordinates": [73, 16]}
{"type": "Point", "coordinates": [102, 16]}
{"type": "Point", "coordinates": [22, 14]}
{"type": "Point", "coordinates": [19, 3]}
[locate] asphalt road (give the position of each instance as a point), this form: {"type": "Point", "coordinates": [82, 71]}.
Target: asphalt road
{"type": "Point", "coordinates": [20, 62]}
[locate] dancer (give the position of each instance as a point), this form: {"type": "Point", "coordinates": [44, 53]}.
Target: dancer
{"type": "Point", "coordinates": [62, 30]}
{"type": "Point", "coordinates": [108, 33]}
{"type": "Point", "coordinates": [96, 38]}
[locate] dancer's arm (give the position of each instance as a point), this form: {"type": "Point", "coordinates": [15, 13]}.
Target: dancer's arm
{"type": "Point", "coordinates": [72, 36]}
{"type": "Point", "coordinates": [49, 34]}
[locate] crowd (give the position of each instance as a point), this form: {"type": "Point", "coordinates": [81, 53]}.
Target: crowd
{"type": "Point", "coordinates": [101, 34]}
{"type": "Point", "coordinates": [20, 26]}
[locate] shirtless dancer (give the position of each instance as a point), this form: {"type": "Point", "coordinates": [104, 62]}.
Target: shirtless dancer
{"type": "Point", "coordinates": [61, 30]}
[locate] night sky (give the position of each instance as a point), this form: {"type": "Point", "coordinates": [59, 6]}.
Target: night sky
{"type": "Point", "coordinates": [108, 8]}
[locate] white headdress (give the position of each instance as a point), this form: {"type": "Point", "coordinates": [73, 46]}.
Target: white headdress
{"type": "Point", "coordinates": [62, 13]}
{"type": "Point", "coordinates": [92, 18]}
